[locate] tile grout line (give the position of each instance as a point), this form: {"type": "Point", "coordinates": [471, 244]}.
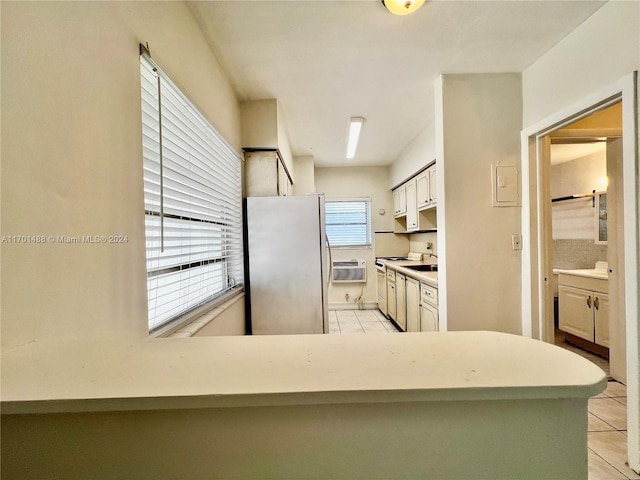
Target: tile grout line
{"type": "Point", "coordinates": [608, 463]}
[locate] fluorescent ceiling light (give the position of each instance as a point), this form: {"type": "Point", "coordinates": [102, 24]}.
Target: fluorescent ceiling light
{"type": "Point", "coordinates": [355, 125]}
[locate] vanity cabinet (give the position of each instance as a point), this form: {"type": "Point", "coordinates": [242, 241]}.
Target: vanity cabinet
{"type": "Point", "coordinates": [583, 308]}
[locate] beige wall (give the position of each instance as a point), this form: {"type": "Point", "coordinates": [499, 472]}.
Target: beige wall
{"type": "Point", "coordinates": [305, 182]}
{"type": "Point", "coordinates": [480, 125]}
{"type": "Point", "coordinates": [415, 155]}
{"type": "Point", "coordinates": [72, 158]}
{"type": "Point", "coordinates": [353, 182]}
{"type": "Point", "coordinates": [604, 49]}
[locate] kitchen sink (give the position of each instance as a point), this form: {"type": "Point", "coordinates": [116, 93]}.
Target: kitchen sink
{"type": "Point", "coordinates": [423, 268]}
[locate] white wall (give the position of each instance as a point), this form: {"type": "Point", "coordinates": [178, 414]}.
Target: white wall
{"type": "Point", "coordinates": [480, 125]}
{"type": "Point", "coordinates": [350, 182]}
{"type": "Point", "coordinates": [415, 155]}
{"type": "Point", "coordinates": [72, 158]}
{"type": "Point", "coordinates": [604, 49]}
{"type": "Point", "coordinates": [305, 182]}
{"type": "Point", "coordinates": [599, 56]}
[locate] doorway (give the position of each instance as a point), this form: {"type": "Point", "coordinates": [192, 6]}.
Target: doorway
{"type": "Point", "coordinates": [588, 309]}
{"type": "Point", "coordinates": [537, 267]}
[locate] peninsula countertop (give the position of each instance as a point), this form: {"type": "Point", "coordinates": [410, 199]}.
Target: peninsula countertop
{"type": "Point", "coordinates": [211, 372]}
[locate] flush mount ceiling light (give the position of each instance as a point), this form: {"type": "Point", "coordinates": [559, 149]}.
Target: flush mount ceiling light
{"type": "Point", "coordinates": [402, 7]}
{"type": "Point", "coordinates": [355, 125]}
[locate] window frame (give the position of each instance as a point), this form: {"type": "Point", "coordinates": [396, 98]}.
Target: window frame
{"type": "Point", "coordinates": [201, 205]}
{"type": "Point", "coordinates": [369, 229]}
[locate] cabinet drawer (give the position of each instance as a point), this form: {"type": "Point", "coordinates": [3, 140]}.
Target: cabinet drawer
{"type": "Point", "coordinates": [585, 283]}
{"type": "Point", "coordinates": [391, 275]}
{"type": "Point", "coordinates": [429, 294]}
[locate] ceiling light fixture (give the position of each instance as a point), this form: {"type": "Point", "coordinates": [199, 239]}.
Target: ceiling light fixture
{"type": "Point", "coordinates": [355, 125]}
{"type": "Point", "coordinates": [402, 7]}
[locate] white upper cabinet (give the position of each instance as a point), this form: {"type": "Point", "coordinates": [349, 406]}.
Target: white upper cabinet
{"type": "Point", "coordinates": [414, 203]}
{"type": "Point", "coordinates": [426, 188]}
{"type": "Point", "coordinates": [433, 189]}
{"type": "Point", "coordinates": [400, 201]}
{"type": "Point", "coordinates": [411, 207]}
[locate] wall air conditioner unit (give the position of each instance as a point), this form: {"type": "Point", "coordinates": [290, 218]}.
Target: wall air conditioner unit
{"type": "Point", "coordinates": [349, 271]}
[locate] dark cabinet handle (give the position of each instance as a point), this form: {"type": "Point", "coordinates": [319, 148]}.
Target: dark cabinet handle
{"type": "Point", "coordinates": [596, 303]}
{"type": "Point", "coordinates": [589, 301]}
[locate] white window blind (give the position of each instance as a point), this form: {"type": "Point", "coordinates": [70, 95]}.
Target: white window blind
{"type": "Point", "coordinates": [192, 196]}
{"type": "Point", "coordinates": [348, 222]}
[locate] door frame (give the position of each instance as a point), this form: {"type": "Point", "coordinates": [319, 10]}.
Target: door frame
{"type": "Point", "coordinates": [536, 268]}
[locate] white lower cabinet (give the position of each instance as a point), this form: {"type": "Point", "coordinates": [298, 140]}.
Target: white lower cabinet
{"type": "Point", "coordinates": [391, 294]}
{"type": "Point", "coordinates": [401, 301]}
{"type": "Point", "coordinates": [583, 308]}
{"type": "Point", "coordinates": [413, 305]}
{"type": "Point", "coordinates": [382, 291]}
{"type": "Point", "coordinates": [428, 308]}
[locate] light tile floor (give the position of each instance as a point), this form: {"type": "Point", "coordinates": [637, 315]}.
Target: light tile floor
{"type": "Point", "coordinates": [607, 435]}
{"type": "Point", "coordinates": [359, 321]}
{"type": "Point", "coordinates": [607, 428]}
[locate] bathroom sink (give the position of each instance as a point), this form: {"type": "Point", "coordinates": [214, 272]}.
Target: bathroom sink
{"type": "Point", "coordinates": [423, 268]}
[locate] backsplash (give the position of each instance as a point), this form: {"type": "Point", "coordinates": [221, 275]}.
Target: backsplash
{"type": "Point", "coordinates": [577, 253]}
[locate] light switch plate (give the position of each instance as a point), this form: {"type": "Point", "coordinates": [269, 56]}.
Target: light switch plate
{"type": "Point", "coordinates": [516, 241]}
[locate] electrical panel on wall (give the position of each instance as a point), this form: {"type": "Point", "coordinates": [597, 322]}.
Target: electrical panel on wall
{"type": "Point", "coordinates": [505, 183]}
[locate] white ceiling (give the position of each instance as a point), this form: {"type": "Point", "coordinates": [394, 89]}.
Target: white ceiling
{"type": "Point", "coordinates": [326, 61]}
{"type": "Point", "coordinates": [561, 153]}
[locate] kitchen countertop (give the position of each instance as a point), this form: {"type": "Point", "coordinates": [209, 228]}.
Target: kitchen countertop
{"type": "Point", "coordinates": [430, 278]}
{"type": "Point", "coordinates": [270, 370]}
{"type": "Point", "coordinates": [584, 272]}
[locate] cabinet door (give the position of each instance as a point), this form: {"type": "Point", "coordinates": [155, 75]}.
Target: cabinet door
{"type": "Point", "coordinates": [601, 318]}
{"type": "Point", "coordinates": [396, 202]}
{"type": "Point", "coordinates": [382, 292]}
{"type": "Point", "coordinates": [422, 189]}
{"type": "Point", "coordinates": [391, 300]}
{"type": "Point", "coordinates": [412, 209]}
{"type": "Point", "coordinates": [401, 302]}
{"type": "Point", "coordinates": [413, 305]}
{"type": "Point", "coordinates": [402, 199]}
{"type": "Point", "coordinates": [575, 312]}
{"type": "Point", "coordinates": [428, 318]}
{"type": "Point", "coordinates": [433, 189]}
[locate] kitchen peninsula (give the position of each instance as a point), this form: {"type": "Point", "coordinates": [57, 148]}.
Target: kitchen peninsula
{"type": "Point", "coordinates": [429, 405]}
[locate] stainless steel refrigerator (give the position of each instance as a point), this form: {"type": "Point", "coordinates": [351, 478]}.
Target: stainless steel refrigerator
{"type": "Point", "coordinates": [286, 263]}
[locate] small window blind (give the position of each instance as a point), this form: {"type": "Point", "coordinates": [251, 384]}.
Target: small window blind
{"type": "Point", "coordinates": [348, 222]}
{"type": "Point", "coordinates": [192, 196]}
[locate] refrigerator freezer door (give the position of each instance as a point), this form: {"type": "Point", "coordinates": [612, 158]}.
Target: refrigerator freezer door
{"type": "Point", "coordinates": [285, 247]}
